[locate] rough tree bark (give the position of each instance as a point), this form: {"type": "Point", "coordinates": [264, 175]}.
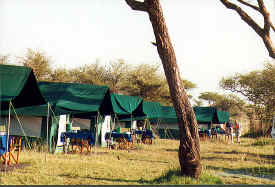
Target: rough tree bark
{"type": "Point", "coordinates": [189, 149]}
{"type": "Point", "coordinates": [264, 32]}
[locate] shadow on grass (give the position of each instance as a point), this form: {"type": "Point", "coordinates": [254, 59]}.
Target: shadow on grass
{"type": "Point", "coordinates": [149, 161]}
{"type": "Point", "coordinates": [172, 176]}
{"type": "Point", "coordinates": [259, 172]}
{"type": "Point", "coordinates": [270, 157]}
{"type": "Point", "coordinates": [172, 150]}
{"type": "Point", "coordinates": [140, 181]}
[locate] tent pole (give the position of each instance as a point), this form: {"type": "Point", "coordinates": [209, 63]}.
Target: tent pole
{"type": "Point", "coordinates": [8, 134]}
{"type": "Point", "coordinates": [111, 130]}
{"type": "Point", "coordinates": [96, 127]}
{"type": "Point", "coordinates": [47, 130]}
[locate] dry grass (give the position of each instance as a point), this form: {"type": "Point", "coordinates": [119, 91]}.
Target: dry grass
{"type": "Point", "coordinates": [148, 164]}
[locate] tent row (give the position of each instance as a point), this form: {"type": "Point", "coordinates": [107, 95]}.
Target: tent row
{"type": "Point", "coordinates": [22, 96]}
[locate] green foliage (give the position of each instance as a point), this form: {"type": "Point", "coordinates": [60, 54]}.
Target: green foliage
{"type": "Point", "coordinates": [258, 87]}
{"type": "Point", "coordinates": [116, 75]}
{"type": "Point", "coordinates": [60, 75]}
{"type": "Point", "coordinates": [210, 97]}
{"type": "Point", "coordinates": [4, 59]}
{"type": "Point", "coordinates": [39, 62]}
{"type": "Point", "coordinates": [144, 80]}
{"type": "Point", "coordinates": [198, 102]}
{"type": "Point", "coordinates": [148, 82]}
{"type": "Point", "coordinates": [230, 103]}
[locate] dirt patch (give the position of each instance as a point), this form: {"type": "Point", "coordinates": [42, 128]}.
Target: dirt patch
{"type": "Point", "coordinates": [6, 168]}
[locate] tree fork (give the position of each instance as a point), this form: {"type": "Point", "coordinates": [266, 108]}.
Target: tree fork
{"type": "Point", "coordinates": [264, 33]}
{"type": "Point", "coordinates": [189, 149]}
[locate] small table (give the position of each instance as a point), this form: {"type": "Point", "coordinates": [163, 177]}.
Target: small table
{"type": "Point", "coordinates": [124, 140]}
{"type": "Point", "coordinates": [146, 136]}
{"type": "Point", "coordinates": [81, 140]}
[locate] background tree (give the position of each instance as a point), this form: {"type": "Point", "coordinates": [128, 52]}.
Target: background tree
{"type": "Point", "coordinates": [210, 97]}
{"type": "Point", "coordinates": [189, 149]}
{"type": "Point", "coordinates": [60, 75]}
{"type": "Point", "coordinates": [198, 102]}
{"type": "Point", "coordinates": [39, 62]}
{"type": "Point", "coordinates": [259, 7]}
{"type": "Point", "coordinates": [4, 59]}
{"type": "Point", "coordinates": [88, 74]}
{"type": "Point", "coordinates": [149, 82]}
{"type": "Point", "coordinates": [230, 103]}
{"type": "Point", "coordinates": [116, 74]}
{"type": "Point", "coordinates": [258, 87]}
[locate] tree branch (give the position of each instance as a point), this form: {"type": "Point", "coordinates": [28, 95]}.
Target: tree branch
{"type": "Point", "coordinates": [136, 5]}
{"type": "Point", "coordinates": [272, 26]}
{"type": "Point", "coordinates": [266, 15]}
{"type": "Point", "coordinates": [244, 17]}
{"type": "Point", "coordinates": [250, 5]}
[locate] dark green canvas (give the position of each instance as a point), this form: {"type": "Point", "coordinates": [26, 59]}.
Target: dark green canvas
{"type": "Point", "coordinates": [125, 106]}
{"type": "Point", "coordinates": [18, 85]}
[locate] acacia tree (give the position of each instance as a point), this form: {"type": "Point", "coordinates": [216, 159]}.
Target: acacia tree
{"type": "Point", "coordinates": [258, 87]}
{"type": "Point", "coordinates": [264, 32]}
{"type": "Point", "coordinates": [189, 149]}
{"type": "Point", "coordinates": [39, 62]}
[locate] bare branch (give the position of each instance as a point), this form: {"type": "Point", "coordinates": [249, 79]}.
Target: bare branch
{"type": "Point", "coordinates": [266, 15]}
{"type": "Point", "coordinates": [248, 4]}
{"type": "Point", "coordinates": [244, 17]}
{"type": "Point", "coordinates": [136, 5]}
{"type": "Point", "coordinates": [272, 26]}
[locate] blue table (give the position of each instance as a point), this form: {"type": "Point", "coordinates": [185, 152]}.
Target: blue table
{"type": "Point", "coordinates": [124, 140]}
{"type": "Point", "coordinates": [146, 136]}
{"type": "Point", "coordinates": [117, 135]}
{"type": "Point", "coordinates": [81, 140]}
{"type": "Point", "coordinates": [79, 135]}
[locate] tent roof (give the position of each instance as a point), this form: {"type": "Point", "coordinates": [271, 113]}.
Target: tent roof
{"type": "Point", "coordinates": [223, 116]}
{"type": "Point", "coordinates": [127, 105]}
{"type": "Point", "coordinates": [211, 114]}
{"type": "Point", "coordinates": [18, 85]}
{"type": "Point", "coordinates": [152, 110]}
{"type": "Point", "coordinates": [76, 97]}
{"type": "Point", "coordinates": [81, 100]}
{"type": "Point", "coordinates": [203, 115]}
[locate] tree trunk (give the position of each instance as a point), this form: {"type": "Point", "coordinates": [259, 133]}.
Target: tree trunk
{"type": "Point", "coordinates": [189, 149]}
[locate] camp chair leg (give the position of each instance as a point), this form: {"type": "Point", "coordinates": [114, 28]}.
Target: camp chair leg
{"type": "Point", "coordinates": [4, 157]}
{"type": "Point", "coordinates": [19, 150]}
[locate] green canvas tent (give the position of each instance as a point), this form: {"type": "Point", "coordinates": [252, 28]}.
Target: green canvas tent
{"type": "Point", "coordinates": [18, 85]}
{"type": "Point", "coordinates": [210, 115]}
{"type": "Point", "coordinates": [79, 100]}
{"type": "Point", "coordinates": [125, 106]}
{"type": "Point", "coordinates": [82, 100]}
{"type": "Point", "coordinates": [75, 98]}
{"type": "Point", "coordinates": [152, 111]}
{"type": "Point", "coordinates": [203, 115]}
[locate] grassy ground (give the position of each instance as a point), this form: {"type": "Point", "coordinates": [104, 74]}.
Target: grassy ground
{"type": "Point", "coordinates": [252, 162]}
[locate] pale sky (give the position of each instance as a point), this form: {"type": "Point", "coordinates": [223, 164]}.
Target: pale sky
{"type": "Point", "coordinates": [210, 41]}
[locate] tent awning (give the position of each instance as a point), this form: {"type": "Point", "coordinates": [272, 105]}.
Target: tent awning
{"type": "Point", "coordinates": [126, 106]}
